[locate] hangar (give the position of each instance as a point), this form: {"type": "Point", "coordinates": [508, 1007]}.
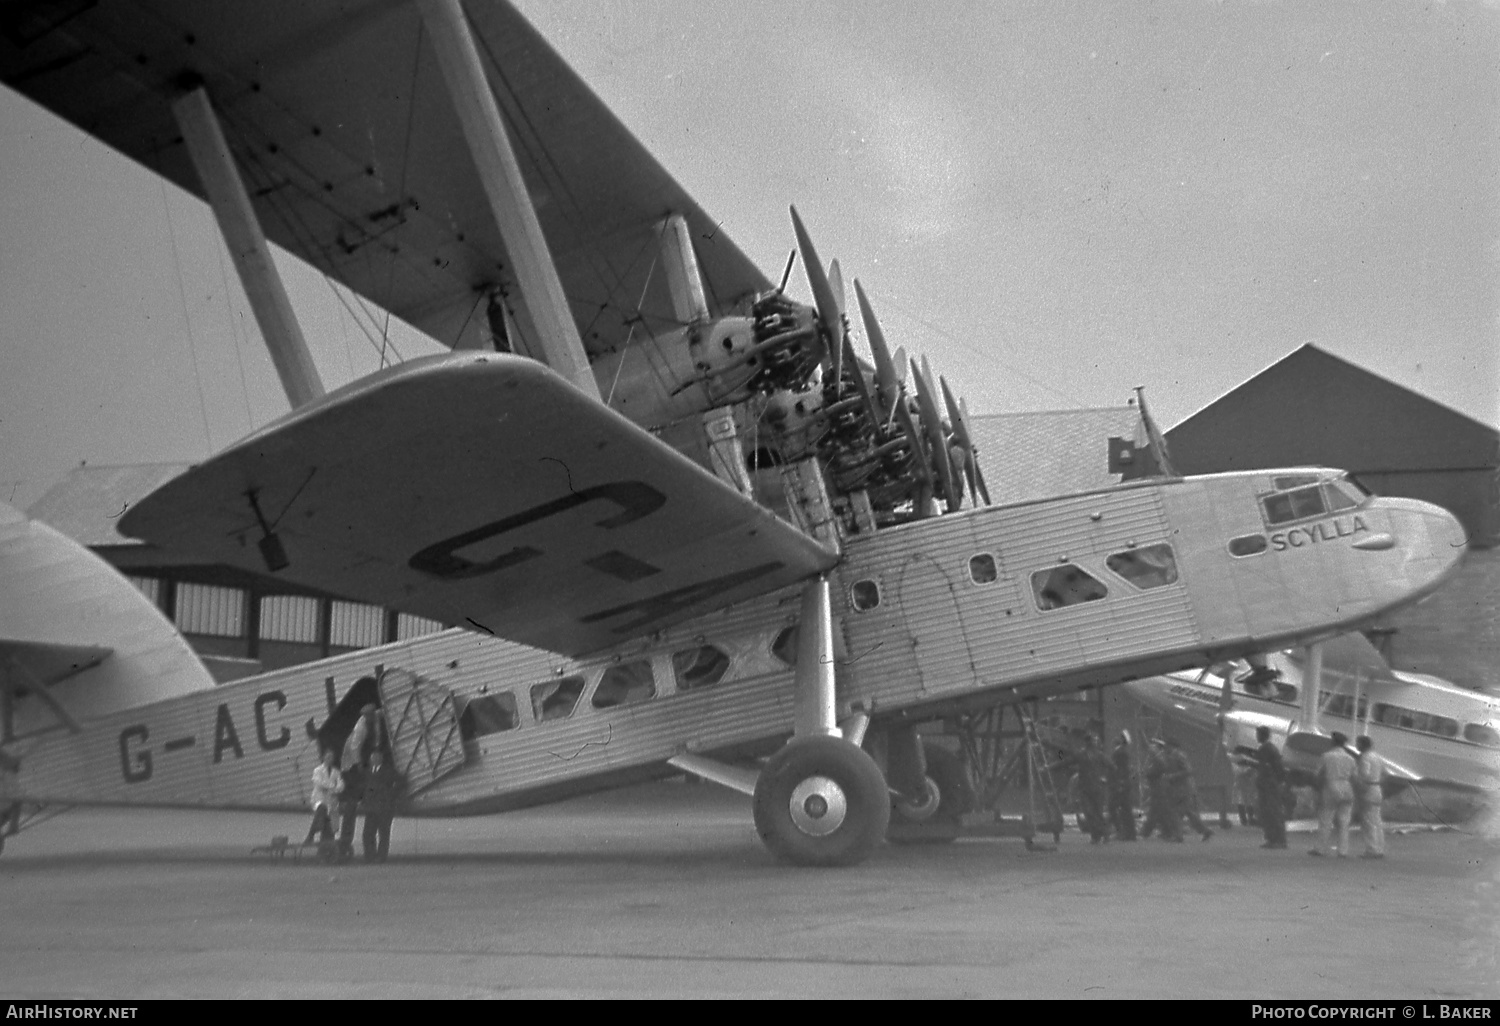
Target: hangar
{"type": "Point", "coordinates": [1311, 407]}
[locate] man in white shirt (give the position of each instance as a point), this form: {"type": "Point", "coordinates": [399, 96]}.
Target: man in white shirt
{"type": "Point", "coordinates": [1369, 772]}
{"type": "Point", "coordinates": [1336, 787]}
{"type": "Point", "coordinates": [327, 783]}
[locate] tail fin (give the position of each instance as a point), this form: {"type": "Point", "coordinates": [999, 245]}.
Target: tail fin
{"type": "Point", "coordinates": [77, 640]}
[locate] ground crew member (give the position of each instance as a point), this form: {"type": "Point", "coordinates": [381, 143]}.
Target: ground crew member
{"type": "Point", "coordinates": [1369, 773]}
{"type": "Point", "coordinates": [382, 791]}
{"type": "Point", "coordinates": [362, 738]}
{"type": "Point", "coordinates": [1122, 790]}
{"type": "Point", "coordinates": [349, 798]}
{"type": "Point", "coordinates": [327, 782]}
{"type": "Point", "coordinates": [1336, 789]}
{"type": "Point", "coordinates": [1243, 787]}
{"type": "Point", "coordinates": [1270, 782]}
{"type": "Point", "coordinates": [1093, 788]}
{"type": "Point", "coordinates": [1182, 793]}
{"type": "Point", "coordinates": [1157, 819]}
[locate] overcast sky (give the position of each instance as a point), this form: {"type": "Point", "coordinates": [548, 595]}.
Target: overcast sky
{"type": "Point", "coordinates": [1054, 201]}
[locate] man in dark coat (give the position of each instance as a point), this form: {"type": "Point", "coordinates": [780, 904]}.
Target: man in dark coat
{"type": "Point", "coordinates": [382, 792]}
{"type": "Point", "coordinates": [349, 798]}
{"type": "Point", "coordinates": [1182, 793]}
{"type": "Point", "coordinates": [1093, 789]}
{"type": "Point", "coordinates": [1270, 782]}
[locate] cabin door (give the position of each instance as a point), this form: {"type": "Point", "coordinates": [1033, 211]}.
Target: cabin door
{"type": "Point", "coordinates": [421, 721]}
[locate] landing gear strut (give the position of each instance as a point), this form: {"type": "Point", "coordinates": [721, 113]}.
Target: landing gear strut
{"type": "Point", "coordinates": [821, 801]}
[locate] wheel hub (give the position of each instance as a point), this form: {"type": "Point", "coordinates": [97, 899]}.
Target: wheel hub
{"type": "Point", "coordinates": [818, 806]}
{"type": "Point", "coordinates": [923, 810]}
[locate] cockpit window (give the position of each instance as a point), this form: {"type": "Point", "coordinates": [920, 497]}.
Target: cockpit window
{"type": "Point", "coordinates": [1344, 494]}
{"type": "Point", "coordinates": [1151, 566]}
{"type": "Point", "coordinates": [1294, 505]}
{"type": "Point", "coordinates": [982, 569]}
{"type": "Point", "coordinates": [1290, 481]}
{"type": "Point", "coordinates": [1065, 585]}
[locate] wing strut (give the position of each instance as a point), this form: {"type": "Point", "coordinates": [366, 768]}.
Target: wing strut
{"type": "Point", "coordinates": [541, 291]}
{"type": "Point", "coordinates": [247, 246]}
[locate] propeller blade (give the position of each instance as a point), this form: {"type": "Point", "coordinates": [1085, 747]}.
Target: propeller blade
{"type": "Point", "coordinates": [899, 399]}
{"type": "Point", "coordinates": [927, 404]}
{"type": "Point", "coordinates": [965, 440]}
{"type": "Point", "coordinates": [984, 492]}
{"type": "Point", "coordinates": [823, 297]}
{"type": "Point", "coordinates": [791, 258]}
{"type": "Point", "coordinates": [836, 285]}
{"type": "Point", "coordinates": [885, 369]}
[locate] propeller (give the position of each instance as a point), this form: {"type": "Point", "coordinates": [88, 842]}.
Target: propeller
{"type": "Point", "coordinates": [885, 368]}
{"type": "Point", "coordinates": [958, 416]}
{"type": "Point", "coordinates": [927, 404]}
{"type": "Point", "coordinates": [984, 491]}
{"type": "Point", "coordinates": [836, 285]}
{"type": "Point", "coordinates": [823, 295]}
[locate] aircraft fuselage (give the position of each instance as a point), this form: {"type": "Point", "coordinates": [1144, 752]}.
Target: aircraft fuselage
{"type": "Point", "coordinates": [968, 609]}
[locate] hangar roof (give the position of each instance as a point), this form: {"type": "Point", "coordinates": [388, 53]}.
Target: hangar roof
{"type": "Point", "coordinates": [1312, 407]}
{"type": "Point", "coordinates": [1036, 455]}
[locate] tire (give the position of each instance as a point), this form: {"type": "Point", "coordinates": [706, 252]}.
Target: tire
{"type": "Point", "coordinates": [946, 776]}
{"type": "Point", "coordinates": [821, 801]}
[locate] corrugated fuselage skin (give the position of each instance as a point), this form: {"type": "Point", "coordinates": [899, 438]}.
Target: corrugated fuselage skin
{"type": "Point", "coordinates": [938, 638]}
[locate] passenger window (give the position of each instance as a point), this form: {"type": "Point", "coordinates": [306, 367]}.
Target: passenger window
{"type": "Point", "coordinates": [982, 569]}
{"type": "Point", "coordinates": [1247, 545]}
{"type": "Point", "coordinates": [624, 683]}
{"type": "Point", "coordinates": [784, 647]}
{"type": "Point", "coordinates": [1286, 692]}
{"type": "Point", "coordinates": [699, 667]}
{"type": "Point", "coordinates": [490, 714]}
{"type": "Point", "coordinates": [1066, 585]}
{"type": "Point", "coordinates": [1153, 566]}
{"type": "Point", "coordinates": [865, 595]}
{"type": "Point", "coordinates": [555, 699]}
{"type": "Point", "coordinates": [1482, 734]}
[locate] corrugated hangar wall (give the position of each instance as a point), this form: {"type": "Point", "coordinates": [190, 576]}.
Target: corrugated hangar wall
{"type": "Point", "coordinates": [1314, 408]}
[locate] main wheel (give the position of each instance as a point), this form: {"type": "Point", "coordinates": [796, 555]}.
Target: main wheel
{"type": "Point", "coordinates": [949, 796]}
{"type": "Point", "coordinates": [821, 801]}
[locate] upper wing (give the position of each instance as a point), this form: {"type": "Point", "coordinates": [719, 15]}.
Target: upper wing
{"type": "Point", "coordinates": [338, 116]}
{"type": "Point", "coordinates": [482, 489]}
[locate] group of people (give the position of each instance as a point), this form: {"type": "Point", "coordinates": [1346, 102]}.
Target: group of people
{"type": "Point", "coordinates": [1349, 786]}
{"type": "Point", "coordinates": [366, 783]}
{"type": "Point", "coordinates": [1106, 791]}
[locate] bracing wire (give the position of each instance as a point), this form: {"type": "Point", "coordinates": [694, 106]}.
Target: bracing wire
{"type": "Point", "coordinates": [186, 320]}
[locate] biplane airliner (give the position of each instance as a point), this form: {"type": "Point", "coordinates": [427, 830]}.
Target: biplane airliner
{"type": "Point", "coordinates": [677, 521]}
{"type": "Point", "coordinates": [1430, 733]}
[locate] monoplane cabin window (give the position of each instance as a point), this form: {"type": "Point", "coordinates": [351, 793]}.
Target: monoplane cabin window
{"type": "Point", "coordinates": [625, 683]}
{"type": "Point", "coordinates": [1147, 567]}
{"type": "Point", "coordinates": [1482, 734]}
{"type": "Point", "coordinates": [700, 667]}
{"type": "Point", "coordinates": [1412, 719]}
{"type": "Point", "coordinates": [555, 699]}
{"type": "Point", "coordinates": [1066, 585]}
{"type": "Point", "coordinates": [982, 569]}
{"type": "Point", "coordinates": [489, 714]}
{"type": "Point", "coordinates": [864, 596]}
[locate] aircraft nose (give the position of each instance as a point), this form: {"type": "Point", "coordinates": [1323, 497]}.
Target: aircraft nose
{"type": "Point", "coordinates": [1433, 540]}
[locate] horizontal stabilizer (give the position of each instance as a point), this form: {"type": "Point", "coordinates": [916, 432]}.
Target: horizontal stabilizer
{"type": "Point", "coordinates": [481, 490]}
{"type": "Point", "coordinates": [47, 662]}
